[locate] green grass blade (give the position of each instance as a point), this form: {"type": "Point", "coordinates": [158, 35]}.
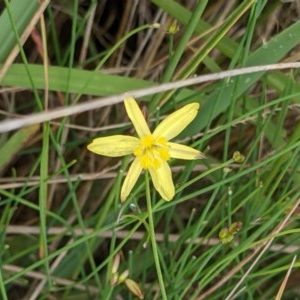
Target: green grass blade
{"type": "Point", "coordinates": [15, 144]}
{"type": "Point", "coordinates": [271, 52]}
{"type": "Point", "coordinates": [22, 13]}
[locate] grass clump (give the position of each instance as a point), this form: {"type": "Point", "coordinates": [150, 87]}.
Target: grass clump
{"type": "Point", "coordinates": [231, 227]}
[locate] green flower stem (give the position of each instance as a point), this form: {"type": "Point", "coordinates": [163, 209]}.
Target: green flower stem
{"type": "Point", "coordinates": [122, 40]}
{"type": "Point", "coordinates": [153, 239]}
{"type": "Point", "coordinates": [2, 286]}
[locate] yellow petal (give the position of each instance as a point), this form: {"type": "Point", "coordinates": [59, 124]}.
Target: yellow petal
{"type": "Point", "coordinates": [131, 178]}
{"type": "Point", "coordinates": [172, 125]}
{"type": "Point", "coordinates": [114, 146]}
{"type": "Point", "coordinates": [136, 117]}
{"type": "Point", "coordinates": [184, 152]}
{"type": "Point", "coordinates": [162, 181]}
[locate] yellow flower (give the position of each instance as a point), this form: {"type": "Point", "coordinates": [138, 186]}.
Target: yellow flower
{"type": "Point", "coordinates": [151, 150]}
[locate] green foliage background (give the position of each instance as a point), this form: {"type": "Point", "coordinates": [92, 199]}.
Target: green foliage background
{"type": "Point", "coordinates": [62, 223]}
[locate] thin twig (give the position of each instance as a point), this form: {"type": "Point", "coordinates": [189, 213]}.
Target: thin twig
{"type": "Point", "coordinates": [264, 246]}
{"type": "Point", "coordinates": [57, 280]}
{"type": "Point", "coordinates": [41, 117]}
{"type": "Point", "coordinates": [138, 235]}
{"type": "Point", "coordinates": [287, 275]}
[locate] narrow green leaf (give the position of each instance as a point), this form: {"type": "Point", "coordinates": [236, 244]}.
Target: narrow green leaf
{"type": "Point", "coordinates": [10, 149]}
{"type": "Point", "coordinates": [75, 81]}
{"type": "Point", "coordinates": [22, 13]}
{"type": "Point", "coordinates": [271, 52]}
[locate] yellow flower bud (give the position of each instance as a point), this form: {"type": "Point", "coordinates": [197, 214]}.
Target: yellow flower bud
{"type": "Point", "coordinates": [173, 27]}
{"type": "Point", "coordinates": [238, 157]}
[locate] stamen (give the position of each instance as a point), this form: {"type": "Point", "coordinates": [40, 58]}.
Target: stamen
{"type": "Point", "coordinates": [151, 152]}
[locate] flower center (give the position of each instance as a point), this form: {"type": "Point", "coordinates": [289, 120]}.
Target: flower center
{"type": "Point", "coordinates": [152, 151]}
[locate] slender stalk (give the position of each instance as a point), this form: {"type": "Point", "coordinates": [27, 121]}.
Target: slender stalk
{"type": "Point", "coordinates": [153, 239]}
{"type": "Point", "coordinates": [2, 286]}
